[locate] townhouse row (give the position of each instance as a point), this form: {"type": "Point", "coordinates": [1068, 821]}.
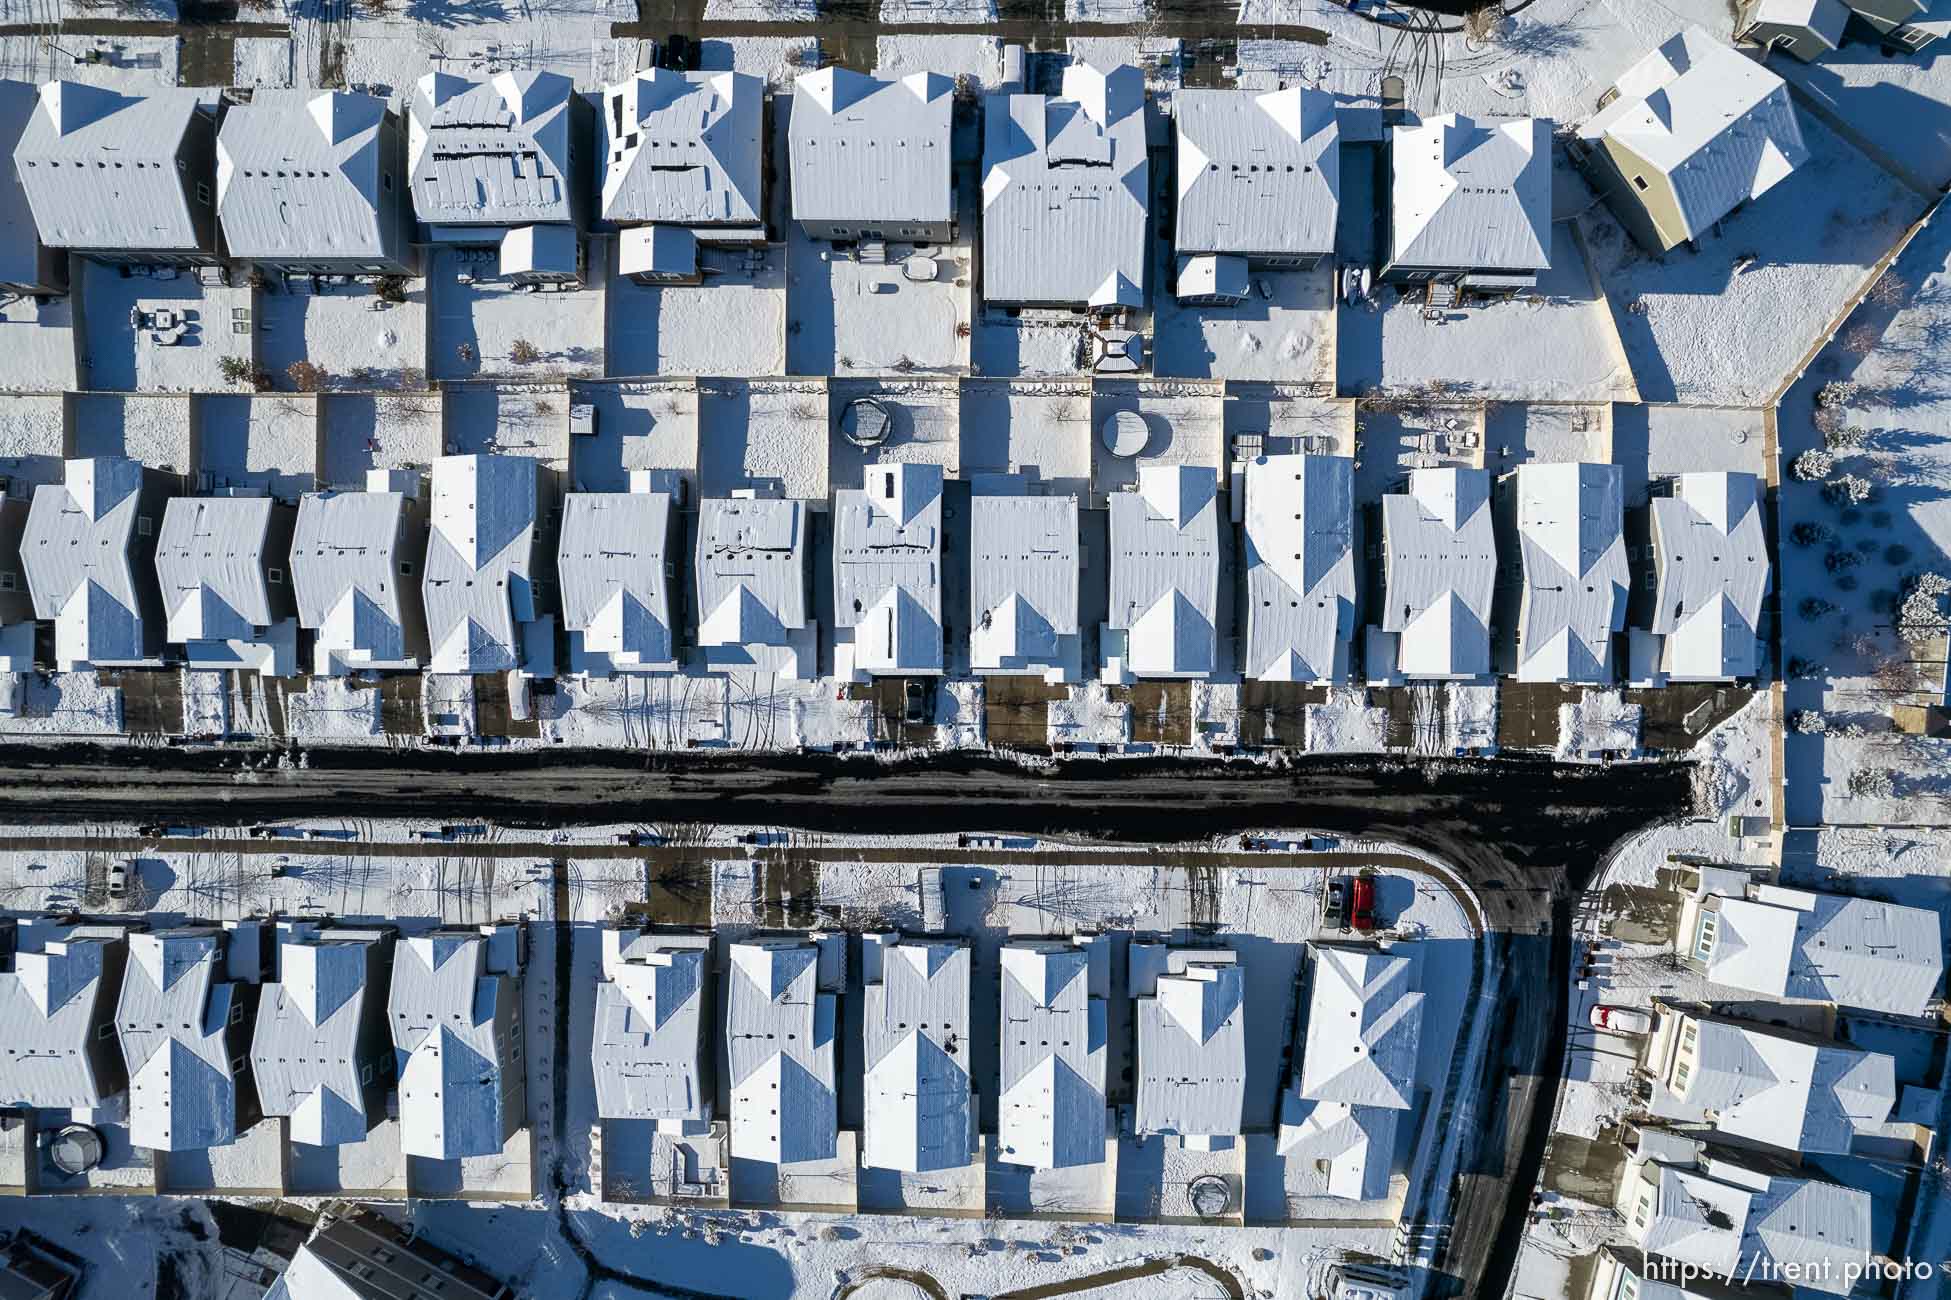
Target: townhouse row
{"type": "Point", "coordinates": [479, 566]}
{"type": "Point", "coordinates": [671, 162]}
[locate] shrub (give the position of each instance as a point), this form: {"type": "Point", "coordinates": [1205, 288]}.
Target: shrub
{"type": "Point", "coordinates": [1851, 488]}
{"type": "Point", "coordinates": [306, 376]}
{"type": "Point", "coordinates": [1838, 393]}
{"type": "Point", "coordinates": [1809, 722]}
{"type": "Point", "coordinates": [1872, 783]}
{"type": "Point", "coordinates": [1837, 561]}
{"type": "Point", "coordinates": [235, 370]}
{"type": "Point", "coordinates": [1814, 607]}
{"type": "Point", "coordinates": [1813, 465]}
{"type": "Point", "coordinates": [524, 353]}
{"type": "Point", "coordinates": [1921, 616]}
{"type": "Point", "coordinates": [1811, 533]}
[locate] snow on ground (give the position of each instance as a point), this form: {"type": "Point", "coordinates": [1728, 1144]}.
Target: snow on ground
{"type": "Point", "coordinates": [1345, 724]}
{"type": "Point", "coordinates": [159, 330]}
{"type": "Point", "coordinates": [65, 704]}
{"type": "Point", "coordinates": [357, 338]}
{"type": "Point", "coordinates": [769, 433]}
{"type": "Point", "coordinates": [40, 343]}
{"type": "Point", "coordinates": [33, 437]}
{"type": "Point", "coordinates": [1042, 430]}
{"type": "Point", "coordinates": [269, 443]}
{"type": "Point", "coordinates": [476, 327]}
{"type": "Point", "coordinates": [1600, 723]}
{"type": "Point", "coordinates": [262, 61]}
{"type": "Point", "coordinates": [650, 425]}
{"type": "Point", "coordinates": [152, 429]}
{"type": "Point", "coordinates": [980, 57]}
{"type": "Point", "coordinates": [1287, 333]}
{"type": "Point", "coordinates": [774, 59]}
{"type": "Point", "coordinates": [732, 324]}
{"type": "Point", "coordinates": [1090, 717]}
{"type": "Point", "coordinates": [909, 315]}
{"type": "Point", "coordinates": [898, 13]}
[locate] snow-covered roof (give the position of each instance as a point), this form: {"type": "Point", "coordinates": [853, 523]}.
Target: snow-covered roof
{"type": "Point", "coordinates": [1795, 1093]}
{"type": "Point", "coordinates": [1259, 172]}
{"type": "Point", "coordinates": [611, 560]}
{"type": "Point", "coordinates": [652, 1005]}
{"type": "Point", "coordinates": [1471, 193]}
{"type": "Point", "coordinates": [141, 203]}
{"type": "Point", "coordinates": [21, 258]}
{"type": "Point", "coordinates": [1165, 571]}
{"type": "Point", "coordinates": [172, 1019]}
{"type": "Point", "coordinates": [455, 1011]}
{"type": "Point", "coordinates": [1054, 1037]}
{"type": "Point", "coordinates": [476, 580]}
{"type": "Point", "coordinates": [1023, 581]}
{"type": "Point", "coordinates": [1854, 952]}
{"type": "Point", "coordinates": [1337, 1149]}
{"type": "Point", "coordinates": [353, 585]}
{"type": "Point", "coordinates": [76, 552]}
{"type": "Point", "coordinates": [318, 1026]}
{"type": "Point", "coordinates": [753, 608]}
{"type": "Point", "coordinates": [1710, 555]}
{"type": "Point", "coordinates": [53, 1006]}
{"type": "Point", "coordinates": [1570, 518]}
{"type": "Point", "coordinates": [300, 175]}
{"type": "Point", "coordinates": [492, 152]}
{"type": "Point", "coordinates": [887, 571]}
{"type": "Point", "coordinates": [211, 563]}
{"type": "Point", "coordinates": [354, 1254]}
{"type": "Point", "coordinates": [866, 150]}
{"type": "Point", "coordinates": [1822, 19]}
{"type": "Point", "coordinates": [1191, 1026]}
{"type": "Point", "coordinates": [1717, 124]}
{"type": "Point", "coordinates": [683, 148]}
{"type": "Point", "coordinates": [1065, 192]}
{"type": "Point", "coordinates": [1300, 567]}
{"type": "Point", "coordinates": [1439, 556]}
{"type": "Point", "coordinates": [779, 1031]}
{"type": "Point", "coordinates": [1364, 1028]}
{"type": "Point", "coordinates": [919, 1109]}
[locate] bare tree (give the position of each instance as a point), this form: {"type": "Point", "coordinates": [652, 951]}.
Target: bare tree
{"type": "Point", "coordinates": [307, 376]}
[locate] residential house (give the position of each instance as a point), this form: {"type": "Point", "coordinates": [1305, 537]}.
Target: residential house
{"type": "Point", "coordinates": [1259, 186]}
{"type": "Point", "coordinates": [1803, 29]}
{"type": "Point", "coordinates": [1692, 132]}
{"type": "Point", "coordinates": [754, 575]}
{"type": "Point", "coordinates": [684, 153]}
{"type": "Point", "coordinates": [89, 553]}
{"type": "Point", "coordinates": [870, 158]}
{"type": "Point", "coordinates": [57, 1016]}
{"type": "Point", "coordinates": [28, 267]}
{"type": "Point", "coordinates": [1439, 574]}
{"type": "Point", "coordinates": [455, 1007]}
{"type": "Point", "coordinates": [503, 162]}
{"type": "Point", "coordinates": [122, 178]}
{"type": "Point", "coordinates": [321, 1054]}
{"type": "Point", "coordinates": [1024, 583]}
{"type": "Point", "coordinates": [1357, 1076]}
{"type": "Point", "coordinates": [1164, 612]}
{"type": "Point", "coordinates": [314, 183]}
{"type": "Point", "coordinates": [887, 572]}
{"type": "Point", "coordinates": [483, 615]}
{"type": "Point", "coordinates": [1300, 558]}
{"type": "Point", "coordinates": [1571, 562]}
{"type": "Point", "coordinates": [1191, 1042]}
{"type": "Point", "coordinates": [16, 599]}
{"type": "Point", "coordinates": [354, 557]}
{"type": "Point", "coordinates": [918, 1103]}
{"type": "Point", "coordinates": [1055, 1016]}
{"type": "Point", "coordinates": [187, 1010]}
{"type": "Point", "coordinates": [616, 559]}
{"type": "Point", "coordinates": [221, 562]}
{"type": "Point", "coordinates": [1710, 574]}
{"type": "Point", "coordinates": [355, 1254]}
{"type": "Point", "coordinates": [1798, 945]}
{"type": "Point", "coordinates": [650, 1048]}
{"type": "Point", "coordinates": [1624, 1273]}
{"type": "Point", "coordinates": [1066, 193]}
{"type": "Point", "coordinates": [1469, 202]}
{"type": "Point", "coordinates": [780, 1024]}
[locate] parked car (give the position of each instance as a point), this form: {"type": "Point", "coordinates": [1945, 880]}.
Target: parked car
{"type": "Point", "coordinates": [1334, 905]}
{"type": "Point", "coordinates": [118, 881]}
{"type": "Point", "coordinates": [914, 703]}
{"type": "Point", "coordinates": [1621, 1020]}
{"type": "Point", "coordinates": [1361, 905]}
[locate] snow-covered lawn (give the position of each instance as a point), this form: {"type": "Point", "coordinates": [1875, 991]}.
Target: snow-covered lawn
{"type": "Point", "coordinates": [153, 429]}
{"type": "Point", "coordinates": [1288, 334]}
{"type": "Point", "coordinates": [268, 442]}
{"type": "Point", "coordinates": [732, 324]}
{"type": "Point", "coordinates": [477, 327]}
{"type": "Point", "coordinates": [124, 352]}
{"type": "Point", "coordinates": [348, 331]}
{"type": "Point", "coordinates": [366, 431]}
{"type": "Point", "coordinates": [649, 425]}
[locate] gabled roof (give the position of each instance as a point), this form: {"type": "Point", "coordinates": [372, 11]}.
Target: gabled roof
{"type": "Point", "coordinates": [492, 152]}
{"type": "Point", "coordinates": [1570, 518]}
{"type": "Point", "coordinates": [683, 148]}
{"type": "Point", "coordinates": [1793, 1093]}
{"type": "Point", "coordinates": [611, 562]}
{"type": "Point", "coordinates": [76, 552]}
{"type": "Point", "coordinates": [865, 150]}
{"type": "Point", "coordinates": [752, 567]}
{"type": "Point", "coordinates": [447, 991]}
{"type": "Point", "coordinates": [53, 1004]}
{"type": "Point", "coordinates": [1051, 1111]}
{"type": "Point", "coordinates": [315, 1028]}
{"type": "Point", "coordinates": [299, 174]}
{"type": "Point", "coordinates": [1716, 124]}
{"type": "Point", "coordinates": [1439, 551]}
{"type": "Point", "coordinates": [1710, 555]}
{"type": "Point", "coordinates": [1300, 567]}
{"type": "Point", "coordinates": [476, 580]}
{"type": "Point", "coordinates": [1338, 1149]}
{"type": "Point", "coordinates": [100, 169]}
{"type": "Point", "coordinates": [919, 1108]}
{"type": "Point", "coordinates": [1471, 193]}
{"type": "Point", "coordinates": [1258, 172]}
{"type": "Point", "coordinates": [1165, 571]}
{"type": "Point", "coordinates": [345, 572]}
{"type": "Point", "coordinates": [1191, 1028]}
{"type": "Point", "coordinates": [1736, 1221]}
{"type": "Point", "coordinates": [1065, 192]}
{"type": "Point", "coordinates": [1854, 952]}
{"type": "Point", "coordinates": [210, 561]}
{"type": "Point", "coordinates": [1023, 581]}
{"type": "Point", "coordinates": [779, 1031]}
{"type": "Point", "coordinates": [887, 580]}
{"type": "Point", "coordinates": [651, 1008]}
{"type": "Point", "coordinates": [20, 242]}
{"type": "Point", "coordinates": [172, 1017]}
{"type": "Point", "coordinates": [1364, 1028]}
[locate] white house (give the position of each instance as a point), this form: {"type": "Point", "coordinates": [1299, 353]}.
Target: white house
{"type": "Point", "coordinates": [455, 1009]}
{"type": "Point", "coordinates": [355, 1254]}
{"type": "Point", "coordinates": [1190, 1015]}
{"type": "Point", "coordinates": [1572, 555]}
{"type": "Point", "coordinates": [1300, 562]}
{"type": "Point", "coordinates": [321, 1054]}
{"type": "Point", "coordinates": [1023, 584]}
{"type": "Point", "coordinates": [481, 610]}
{"type": "Point", "coordinates": [887, 571]}
{"type": "Point", "coordinates": [1469, 202]}
{"type": "Point", "coordinates": [222, 563]}
{"type": "Point", "coordinates": [870, 158]}
{"type": "Point", "coordinates": [1164, 610]}
{"type": "Point", "coordinates": [27, 265]}
{"type": "Point", "coordinates": [89, 551]}
{"type": "Point", "coordinates": [57, 1016]}
{"type": "Point", "coordinates": [1439, 571]}
{"type": "Point", "coordinates": [1055, 1009]}
{"type": "Point", "coordinates": [1710, 570]}
{"type": "Point", "coordinates": [685, 150]}
{"type": "Point", "coordinates": [918, 1103]}
{"type": "Point", "coordinates": [185, 1026]}
{"type": "Point", "coordinates": [616, 564]}
{"type": "Point", "coordinates": [754, 576]}
{"type": "Point", "coordinates": [780, 1023]}
{"type": "Point", "coordinates": [650, 1050]}
{"type": "Point", "coordinates": [355, 559]}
